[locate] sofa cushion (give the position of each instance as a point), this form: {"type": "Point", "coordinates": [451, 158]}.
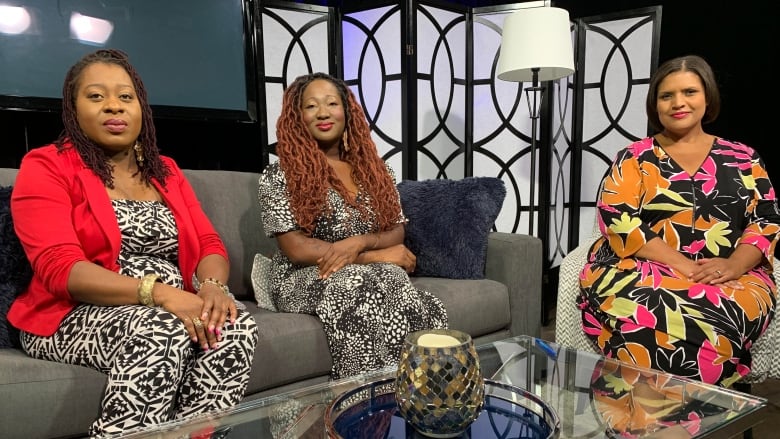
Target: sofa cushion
{"type": "Point", "coordinates": [291, 347]}
{"type": "Point", "coordinates": [15, 270]}
{"type": "Point", "coordinates": [229, 199]}
{"type": "Point", "coordinates": [479, 306]}
{"type": "Point", "coordinates": [449, 222]}
{"type": "Point", "coordinates": [45, 398]}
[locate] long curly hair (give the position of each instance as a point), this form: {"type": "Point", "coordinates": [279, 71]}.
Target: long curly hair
{"type": "Point", "coordinates": [306, 168]}
{"type": "Point", "coordinates": [92, 154]}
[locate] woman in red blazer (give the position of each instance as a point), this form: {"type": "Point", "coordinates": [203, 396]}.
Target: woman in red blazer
{"type": "Point", "coordinates": [128, 273]}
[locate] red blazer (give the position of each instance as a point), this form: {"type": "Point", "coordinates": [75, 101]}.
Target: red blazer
{"type": "Point", "coordinates": [63, 215]}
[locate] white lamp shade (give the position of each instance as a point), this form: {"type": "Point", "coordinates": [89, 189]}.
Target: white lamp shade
{"type": "Point", "coordinates": [536, 37]}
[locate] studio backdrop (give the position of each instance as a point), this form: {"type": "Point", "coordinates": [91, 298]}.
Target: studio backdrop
{"type": "Point", "coordinates": [425, 73]}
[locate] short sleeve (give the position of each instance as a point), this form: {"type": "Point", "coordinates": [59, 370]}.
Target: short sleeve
{"type": "Point", "coordinates": [401, 217]}
{"type": "Point", "coordinates": [276, 214]}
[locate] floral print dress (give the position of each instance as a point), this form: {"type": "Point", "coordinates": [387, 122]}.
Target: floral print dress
{"type": "Point", "coordinates": [366, 310]}
{"type": "Point", "coordinates": [646, 312]}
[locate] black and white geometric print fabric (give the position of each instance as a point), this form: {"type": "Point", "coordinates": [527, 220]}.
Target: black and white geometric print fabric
{"type": "Point", "coordinates": [150, 240]}
{"type": "Point", "coordinates": [155, 372]}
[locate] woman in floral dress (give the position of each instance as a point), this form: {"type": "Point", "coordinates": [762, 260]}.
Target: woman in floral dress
{"type": "Point", "coordinates": [681, 279]}
{"type": "Point", "coordinates": [332, 204]}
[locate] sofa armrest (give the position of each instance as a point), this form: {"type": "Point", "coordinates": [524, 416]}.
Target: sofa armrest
{"type": "Point", "coordinates": [515, 260]}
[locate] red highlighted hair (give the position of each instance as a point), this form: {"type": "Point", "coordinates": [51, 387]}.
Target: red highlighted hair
{"type": "Point", "coordinates": [307, 171]}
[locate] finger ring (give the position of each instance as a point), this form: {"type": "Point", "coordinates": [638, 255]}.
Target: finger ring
{"type": "Point", "coordinates": [718, 272]}
{"type": "Point", "coordinates": [197, 322]}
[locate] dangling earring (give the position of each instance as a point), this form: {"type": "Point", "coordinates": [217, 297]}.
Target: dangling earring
{"type": "Point", "coordinates": [139, 154]}
{"type": "Point", "coordinates": [345, 142]}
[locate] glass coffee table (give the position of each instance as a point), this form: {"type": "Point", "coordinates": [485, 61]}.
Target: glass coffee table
{"type": "Point", "coordinates": [594, 397]}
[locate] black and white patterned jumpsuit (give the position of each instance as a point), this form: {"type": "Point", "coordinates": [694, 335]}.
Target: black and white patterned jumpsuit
{"type": "Point", "coordinates": [155, 372]}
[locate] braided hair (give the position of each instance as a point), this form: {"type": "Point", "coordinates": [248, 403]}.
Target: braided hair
{"type": "Point", "coordinates": [306, 168]}
{"type": "Point", "coordinates": [92, 154]}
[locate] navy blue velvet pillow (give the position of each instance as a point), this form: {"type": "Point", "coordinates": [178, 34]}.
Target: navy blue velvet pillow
{"type": "Point", "coordinates": [449, 222]}
{"type": "Point", "coordinates": [15, 270]}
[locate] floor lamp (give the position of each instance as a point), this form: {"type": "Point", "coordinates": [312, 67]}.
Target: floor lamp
{"type": "Point", "coordinates": [535, 46]}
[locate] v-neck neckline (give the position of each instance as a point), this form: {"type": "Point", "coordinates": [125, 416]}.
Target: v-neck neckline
{"type": "Point", "coordinates": [677, 164]}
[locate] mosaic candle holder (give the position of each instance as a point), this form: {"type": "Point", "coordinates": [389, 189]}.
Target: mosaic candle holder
{"type": "Point", "coordinates": [439, 385]}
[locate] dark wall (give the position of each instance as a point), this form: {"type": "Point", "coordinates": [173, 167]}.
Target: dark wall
{"type": "Point", "coordinates": [194, 144]}
{"type": "Point", "coordinates": [739, 41]}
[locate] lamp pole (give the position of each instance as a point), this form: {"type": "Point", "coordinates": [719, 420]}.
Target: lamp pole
{"type": "Point", "coordinates": [533, 99]}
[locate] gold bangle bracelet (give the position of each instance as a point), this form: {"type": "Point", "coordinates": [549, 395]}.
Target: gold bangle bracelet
{"type": "Point", "coordinates": [220, 285]}
{"type": "Point", "coordinates": [145, 287]}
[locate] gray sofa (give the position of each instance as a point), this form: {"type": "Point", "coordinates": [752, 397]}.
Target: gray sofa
{"type": "Point", "coordinates": [44, 399]}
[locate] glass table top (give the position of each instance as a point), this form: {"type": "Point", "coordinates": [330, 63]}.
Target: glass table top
{"type": "Point", "coordinates": [594, 397]}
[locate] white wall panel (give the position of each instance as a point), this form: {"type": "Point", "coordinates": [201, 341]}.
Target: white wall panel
{"type": "Point", "coordinates": [295, 42]}
{"type": "Point", "coordinates": [371, 44]}
{"type": "Point", "coordinates": [441, 104]}
{"type": "Point", "coordinates": [616, 67]}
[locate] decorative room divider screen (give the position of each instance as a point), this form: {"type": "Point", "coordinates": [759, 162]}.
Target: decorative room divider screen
{"type": "Point", "coordinates": [426, 75]}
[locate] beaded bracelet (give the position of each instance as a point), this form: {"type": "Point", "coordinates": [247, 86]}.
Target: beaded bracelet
{"type": "Point", "coordinates": [220, 285]}
{"type": "Point", "coordinates": [145, 287]}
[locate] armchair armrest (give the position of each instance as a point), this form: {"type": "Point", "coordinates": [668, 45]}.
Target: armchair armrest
{"type": "Point", "coordinates": [568, 330]}
{"type": "Point", "coordinates": [515, 260]}
{"type": "Point", "coordinates": [766, 350]}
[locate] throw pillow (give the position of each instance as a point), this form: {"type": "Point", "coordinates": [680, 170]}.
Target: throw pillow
{"type": "Point", "coordinates": [261, 282]}
{"type": "Point", "coordinates": [15, 270]}
{"type": "Point", "coordinates": [449, 222]}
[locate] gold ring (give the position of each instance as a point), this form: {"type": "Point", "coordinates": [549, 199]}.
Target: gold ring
{"type": "Point", "coordinates": [197, 322]}
{"type": "Point", "coordinates": [718, 272]}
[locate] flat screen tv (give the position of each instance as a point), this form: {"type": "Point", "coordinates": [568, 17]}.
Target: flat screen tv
{"type": "Point", "coordinates": [196, 57]}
